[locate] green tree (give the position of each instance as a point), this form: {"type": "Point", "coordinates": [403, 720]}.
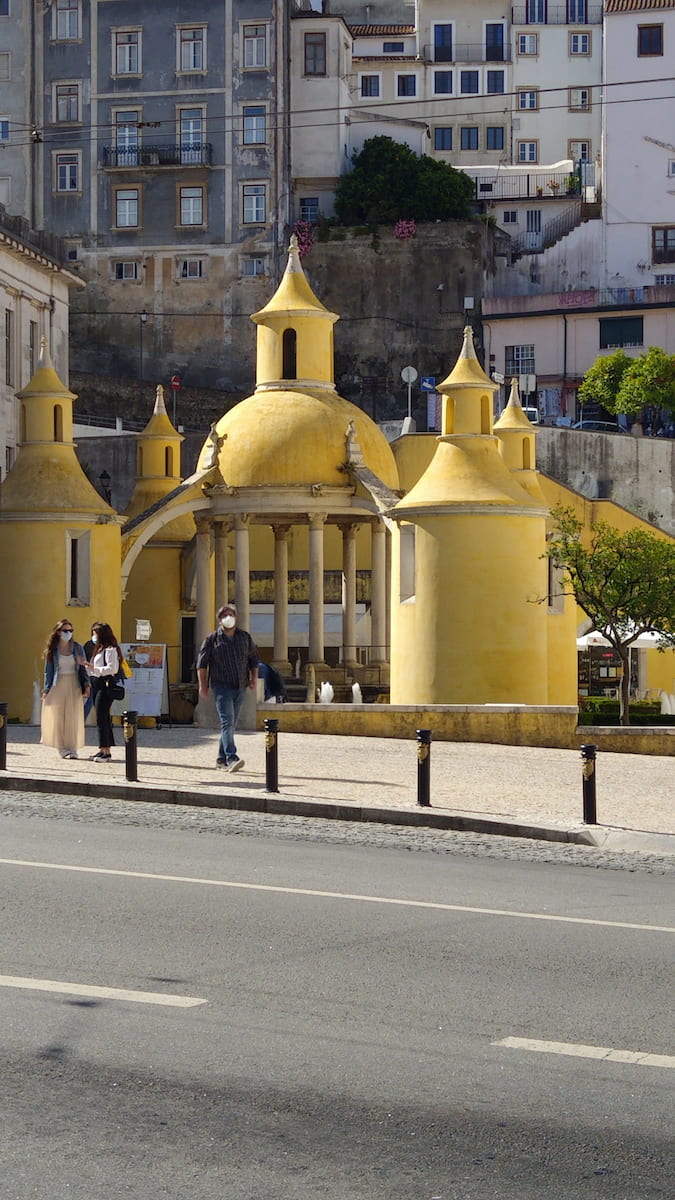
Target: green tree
{"type": "Point", "coordinates": [601, 383]}
{"type": "Point", "coordinates": [625, 583]}
{"type": "Point", "coordinates": [389, 181]}
{"type": "Point", "coordinates": [648, 382]}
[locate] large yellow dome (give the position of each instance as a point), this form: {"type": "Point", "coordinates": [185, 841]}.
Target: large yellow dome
{"type": "Point", "coordinates": [286, 438]}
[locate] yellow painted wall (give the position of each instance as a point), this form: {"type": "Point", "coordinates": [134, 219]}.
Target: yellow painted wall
{"type": "Point", "coordinates": [476, 632]}
{"type": "Point", "coordinates": [546, 726]}
{"type": "Point", "coordinates": [153, 593]}
{"type": "Point", "coordinates": [34, 594]}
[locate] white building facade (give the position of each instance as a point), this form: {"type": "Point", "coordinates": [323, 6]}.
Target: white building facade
{"type": "Point", "coordinates": [34, 299]}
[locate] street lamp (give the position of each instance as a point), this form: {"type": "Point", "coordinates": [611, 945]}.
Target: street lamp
{"type": "Point", "coordinates": [141, 326]}
{"type": "Point", "coordinates": [105, 481]}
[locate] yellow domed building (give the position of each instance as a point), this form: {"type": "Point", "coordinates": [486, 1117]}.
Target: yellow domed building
{"type": "Point", "coordinates": [430, 553]}
{"type": "Point", "coordinates": [294, 477]}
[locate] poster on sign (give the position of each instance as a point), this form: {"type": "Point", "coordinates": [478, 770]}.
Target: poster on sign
{"type": "Point", "coordinates": [147, 689]}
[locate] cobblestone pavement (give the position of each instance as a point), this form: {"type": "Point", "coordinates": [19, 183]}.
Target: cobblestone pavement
{"type": "Point", "coordinates": [230, 822]}
{"type": "Point", "coordinates": [510, 786]}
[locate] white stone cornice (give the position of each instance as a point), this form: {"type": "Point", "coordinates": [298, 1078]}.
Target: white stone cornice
{"type": "Point", "coordinates": [469, 509]}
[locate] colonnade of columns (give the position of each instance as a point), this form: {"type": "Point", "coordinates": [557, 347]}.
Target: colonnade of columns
{"type": "Point", "coordinates": [212, 538]}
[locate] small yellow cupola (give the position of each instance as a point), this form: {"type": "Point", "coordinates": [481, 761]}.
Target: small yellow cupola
{"type": "Point", "coordinates": [295, 333]}
{"type": "Point", "coordinates": [293, 430]}
{"type": "Point", "coordinates": [157, 459]}
{"type": "Point", "coordinates": [467, 393]}
{"type": "Point", "coordinates": [516, 439]}
{"type": "Point", "coordinates": [47, 474]}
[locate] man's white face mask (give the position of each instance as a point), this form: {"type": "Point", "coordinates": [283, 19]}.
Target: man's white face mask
{"type": "Point", "coordinates": [228, 622]}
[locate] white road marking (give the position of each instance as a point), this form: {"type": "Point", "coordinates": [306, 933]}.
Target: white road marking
{"type": "Point", "coordinates": [354, 896]}
{"type": "Point", "coordinates": [605, 1053]}
{"type": "Point", "coordinates": [100, 993]}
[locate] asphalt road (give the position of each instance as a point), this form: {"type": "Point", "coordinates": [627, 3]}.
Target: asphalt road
{"type": "Point", "coordinates": [240, 1018]}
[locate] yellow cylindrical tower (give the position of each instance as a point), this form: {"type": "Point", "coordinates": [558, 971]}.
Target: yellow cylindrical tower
{"type": "Point", "coordinates": [59, 540]}
{"type": "Point", "coordinates": [469, 575]}
{"type": "Point", "coordinates": [517, 436]}
{"type": "Point", "coordinates": [155, 582]}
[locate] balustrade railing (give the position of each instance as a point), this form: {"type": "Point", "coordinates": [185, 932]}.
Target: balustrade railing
{"type": "Point", "coordinates": [185, 154]}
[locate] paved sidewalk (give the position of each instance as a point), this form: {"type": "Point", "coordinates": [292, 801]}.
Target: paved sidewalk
{"type": "Point", "coordinates": [522, 791]}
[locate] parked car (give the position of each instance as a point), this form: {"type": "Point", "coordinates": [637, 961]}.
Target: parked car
{"type": "Point", "coordinates": [599, 426]}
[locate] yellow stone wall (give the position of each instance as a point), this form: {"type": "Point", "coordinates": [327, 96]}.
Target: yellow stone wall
{"type": "Point", "coordinates": [475, 632]}
{"type": "Point", "coordinates": [153, 593]}
{"type": "Point", "coordinates": [549, 726]}
{"type": "Point", "coordinates": [31, 605]}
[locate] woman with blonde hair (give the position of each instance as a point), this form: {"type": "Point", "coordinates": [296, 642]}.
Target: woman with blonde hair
{"type": "Point", "coordinates": [105, 669]}
{"type": "Point", "coordinates": [66, 682]}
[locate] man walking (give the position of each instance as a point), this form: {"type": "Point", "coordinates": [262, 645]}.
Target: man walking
{"type": "Point", "coordinates": [228, 663]}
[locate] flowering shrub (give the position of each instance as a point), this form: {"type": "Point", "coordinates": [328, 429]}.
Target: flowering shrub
{"type": "Point", "coordinates": [304, 232]}
{"type": "Point", "coordinates": [405, 229]}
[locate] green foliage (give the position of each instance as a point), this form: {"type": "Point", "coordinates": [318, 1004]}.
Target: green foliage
{"type": "Point", "coordinates": [601, 710]}
{"type": "Point", "coordinates": [601, 383]}
{"type": "Point", "coordinates": [649, 382]}
{"type": "Point", "coordinates": [390, 181]}
{"type": "Point", "coordinates": [624, 581]}
{"type": "Point", "coordinates": [627, 385]}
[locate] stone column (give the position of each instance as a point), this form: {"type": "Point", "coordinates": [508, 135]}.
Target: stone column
{"type": "Point", "coordinates": [221, 531]}
{"type": "Point", "coordinates": [349, 595]}
{"type": "Point", "coordinates": [387, 537]}
{"type": "Point", "coordinates": [378, 594]}
{"type": "Point", "coordinates": [242, 583]}
{"type": "Point", "coordinates": [204, 618]}
{"type": "Point", "coordinates": [316, 524]}
{"type": "Point", "coordinates": [280, 659]}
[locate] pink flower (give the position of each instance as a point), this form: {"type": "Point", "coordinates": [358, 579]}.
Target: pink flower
{"type": "Point", "coordinates": [304, 232]}
{"type": "Point", "coordinates": [404, 229]}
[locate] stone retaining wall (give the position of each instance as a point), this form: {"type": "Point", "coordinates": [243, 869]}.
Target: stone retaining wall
{"type": "Point", "coordinates": [553, 727]}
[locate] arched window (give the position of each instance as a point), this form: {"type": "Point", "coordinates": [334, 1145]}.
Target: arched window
{"type": "Point", "coordinates": [58, 423]}
{"type": "Point", "coordinates": [486, 414]}
{"type": "Point", "coordinates": [168, 460]}
{"type": "Point", "coordinates": [527, 454]}
{"type": "Point", "coordinates": [289, 369]}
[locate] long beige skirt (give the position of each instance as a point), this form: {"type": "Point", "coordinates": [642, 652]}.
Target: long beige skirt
{"type": "Point", "coordinates": [63, 714]}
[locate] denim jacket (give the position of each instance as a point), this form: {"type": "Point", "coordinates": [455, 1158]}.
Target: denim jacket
{"type": "Point", "coordinates": [52, 668]}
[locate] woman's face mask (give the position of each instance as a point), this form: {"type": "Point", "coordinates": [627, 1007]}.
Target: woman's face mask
{"type": "Point", "coordinates": [94, 638]}
{"type": "Point", "coordinates": [66, 634]}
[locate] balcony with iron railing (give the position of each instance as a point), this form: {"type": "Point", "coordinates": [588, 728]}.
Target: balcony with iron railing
{"type": "Point", "coordinates": [184, 154]}
{"type": "Point", "coordinates": [527, 185]}
{"type": "Point", "coordinates": [465, 52]}
{"type": "Point", "coordinates": [556, 14]}
{"type": "Point", "coordinates": [34, 239]}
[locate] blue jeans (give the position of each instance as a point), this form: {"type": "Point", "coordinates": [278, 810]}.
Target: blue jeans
{"type": "Point", "coordinates": [228, 704]}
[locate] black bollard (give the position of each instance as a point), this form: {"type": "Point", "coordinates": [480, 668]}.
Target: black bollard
{"type": "Point", "coordinates": [130, 726]}
{"type": "Point", "coordinates": [423, 766]}
{"type": "Point", "coordinates": [588, 771]}
{"type": "Point", "coordinates": [3, 735]}
{"type": "Point", "coordinates": [271, 727]}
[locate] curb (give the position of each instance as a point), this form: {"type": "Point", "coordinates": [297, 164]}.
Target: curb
{"type": "Point", "coordinates": [274, 803]}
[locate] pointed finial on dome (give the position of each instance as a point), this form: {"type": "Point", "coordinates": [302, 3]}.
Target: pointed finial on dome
{"type": "Point", "coordinates": [160, 406]}
{"type": "Point", "coordinates": [468, 349]}
{"type": "Point", "coordinates": [467, 371]}
{"type": "Point", "coordinates": [45, 358]}
{"type": "Point", "coordinates": [514, 395]}
{"type": "Point", "coordinates": [294, 264]}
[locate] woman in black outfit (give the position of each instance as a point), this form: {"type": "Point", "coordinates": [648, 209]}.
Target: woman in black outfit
{"type": "Point", "coordinates": [104, 668]}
